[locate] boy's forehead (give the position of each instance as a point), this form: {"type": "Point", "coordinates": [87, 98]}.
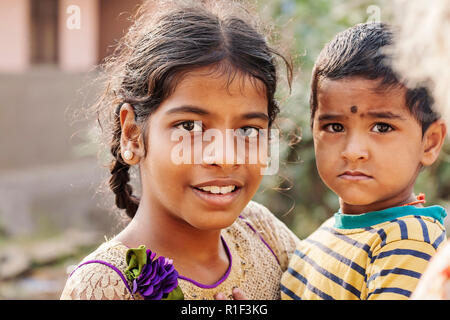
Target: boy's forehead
{"type": "Point", "coordinates": [358, 96]}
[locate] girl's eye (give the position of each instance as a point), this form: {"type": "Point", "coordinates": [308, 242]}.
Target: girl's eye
{"type": "Point", "coordinates": [334, 127]}
{"type": "Point", "coordinates": [248, 132]}
{"type": "Point", "coordinates": [191, 126]}
{"type": "Point", "coordinates": [382, 127]}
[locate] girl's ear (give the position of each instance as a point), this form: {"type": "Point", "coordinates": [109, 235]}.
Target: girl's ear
{"type": "Point", "coordinates": [131, 142]}
{"type": "Point", "coordinates": [432, 142]}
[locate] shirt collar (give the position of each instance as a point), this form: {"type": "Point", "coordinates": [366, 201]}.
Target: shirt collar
{"type": "Point", "coordinates": [364, 220]}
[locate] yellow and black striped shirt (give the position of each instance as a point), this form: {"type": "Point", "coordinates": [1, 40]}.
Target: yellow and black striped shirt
{"type": "Point", "coordinates": [375, 255]}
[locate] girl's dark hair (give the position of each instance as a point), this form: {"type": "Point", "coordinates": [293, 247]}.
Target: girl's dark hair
{"type": "Point", "coordinates": [165, 43]}
{"type": "Point", "coordinates": [362, 51]}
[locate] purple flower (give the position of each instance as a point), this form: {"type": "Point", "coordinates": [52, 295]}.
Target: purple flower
{"type": "Point", "coordinates": [157, 279]}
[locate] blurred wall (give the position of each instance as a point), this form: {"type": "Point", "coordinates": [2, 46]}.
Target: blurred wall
{"type": "Point", "coordinates": [14, 32]}
{"type": "Point", "coordinates": [78, 26]}
{"type": "Point", "coordinates": [49, 173]}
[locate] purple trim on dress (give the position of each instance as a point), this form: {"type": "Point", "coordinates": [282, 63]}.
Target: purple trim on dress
{"type": "Point", "coordinates": [108, 265]}
{"type": "Point", "coordinates": [262, 239]}
{"type": "Point", "coordinates": [222, 279]}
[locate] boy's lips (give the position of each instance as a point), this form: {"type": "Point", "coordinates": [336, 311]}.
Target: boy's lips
{"type": "Point", "coordinates": [354, 175]}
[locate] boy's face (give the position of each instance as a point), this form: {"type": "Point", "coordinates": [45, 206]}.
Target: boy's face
{"type": "Point", "coordinates": [368, 145]}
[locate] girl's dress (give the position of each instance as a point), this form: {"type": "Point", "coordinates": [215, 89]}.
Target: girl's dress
{"type": "Point", "coordinates": [435, 282]}
{"type": "Point", "coordinates": [257, 243]}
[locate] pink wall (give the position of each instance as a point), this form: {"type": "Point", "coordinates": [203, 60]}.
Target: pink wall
{"type": "Point", "coordinates": [78, 42]}
{"type": "Point", "coordinates": [15, 35]}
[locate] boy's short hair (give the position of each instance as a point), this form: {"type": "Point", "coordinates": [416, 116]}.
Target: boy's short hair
{"type": "Point", "coordinates": [360, 51]}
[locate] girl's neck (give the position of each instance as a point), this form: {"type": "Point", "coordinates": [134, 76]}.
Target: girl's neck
{"type": "Point", "coordinates": [197, 254]}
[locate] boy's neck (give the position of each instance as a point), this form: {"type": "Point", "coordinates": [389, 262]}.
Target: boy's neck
{"type": "Point", "coordinates": [396, 201]}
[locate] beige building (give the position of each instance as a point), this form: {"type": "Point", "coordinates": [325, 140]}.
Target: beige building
{"type": "Point", "coordinates": [73, 34]}
{"type": "Point", "coordinates": [48, 174]}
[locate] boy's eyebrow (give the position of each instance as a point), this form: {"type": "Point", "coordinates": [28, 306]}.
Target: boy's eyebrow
{"type": "Point", "coordinates": [329, 116]}
{"type": "Point", "coordinates": [187, 109]}
{"type": "Point", "coordinates": [385, 115]}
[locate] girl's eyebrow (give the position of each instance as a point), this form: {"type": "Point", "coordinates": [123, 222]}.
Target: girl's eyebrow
{"type": "Point", "coordinates": [188, 109]}
{"type": "Point", "coordinates": [200, 111]}
{"type": "Point", "coordinates": [256, 115]}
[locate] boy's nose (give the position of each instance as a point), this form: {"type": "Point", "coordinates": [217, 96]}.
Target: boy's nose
{"type": "Point", "coordinates": [355, 150]}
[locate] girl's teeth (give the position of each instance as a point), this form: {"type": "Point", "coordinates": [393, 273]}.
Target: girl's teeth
{"type": "Point", "coordinates": [216, 189]}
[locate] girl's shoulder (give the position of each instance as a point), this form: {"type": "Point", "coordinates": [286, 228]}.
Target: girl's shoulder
{"type": "Point", "coordinates": [258, 219]}
{"type": "Point", "coordinates": [100, 275]}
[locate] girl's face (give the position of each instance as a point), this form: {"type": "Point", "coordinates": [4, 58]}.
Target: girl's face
{"type": "Point", "coordinates": [206, 193]}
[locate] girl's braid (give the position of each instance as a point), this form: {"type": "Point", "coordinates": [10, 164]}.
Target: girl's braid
{"type": "Point", "coordinates": [120, 176]}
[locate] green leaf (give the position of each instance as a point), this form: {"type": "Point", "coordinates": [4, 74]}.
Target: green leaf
{"type": "Point", "coordinates": [136, 259]}
{"type": "Point", "coordinates": [176, 294]}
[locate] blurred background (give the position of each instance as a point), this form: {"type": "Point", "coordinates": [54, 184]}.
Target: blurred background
{"type": "Point", "coordinates": [53, 206]}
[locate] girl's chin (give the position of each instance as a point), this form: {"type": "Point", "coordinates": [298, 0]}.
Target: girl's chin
{"type": "Point", "coordinates": [213, 222]}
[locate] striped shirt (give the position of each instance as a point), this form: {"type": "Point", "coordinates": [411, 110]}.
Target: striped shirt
{"type": "Point", "coordinates": [375, 255]}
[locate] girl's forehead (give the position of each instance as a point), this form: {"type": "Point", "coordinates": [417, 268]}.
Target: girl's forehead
{"type": "Point", "coordinates": [222, 76]}
{"type": "Point", "coordinates": [216, 93]}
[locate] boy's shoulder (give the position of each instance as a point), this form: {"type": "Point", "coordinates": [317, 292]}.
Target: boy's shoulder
{"type": "Point", "coordinates": [414, 227]}
{"type": "Point", "coordinates": [423, 225]}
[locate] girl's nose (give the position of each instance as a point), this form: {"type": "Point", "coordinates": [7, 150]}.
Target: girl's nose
{"type": "Point", "coordinates": [220, 149]}
{"type": "Point", "coordinates": [355, 149]}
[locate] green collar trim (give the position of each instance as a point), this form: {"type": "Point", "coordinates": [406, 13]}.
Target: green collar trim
{"type": "Point", "coordinates": [364, 220]}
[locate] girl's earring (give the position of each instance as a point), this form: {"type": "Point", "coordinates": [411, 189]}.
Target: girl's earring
{"type": "Point", "coordinates": [128, 155]}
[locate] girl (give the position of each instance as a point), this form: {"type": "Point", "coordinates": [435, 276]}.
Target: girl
{"type": "Point", "coordinates": [183, 70]}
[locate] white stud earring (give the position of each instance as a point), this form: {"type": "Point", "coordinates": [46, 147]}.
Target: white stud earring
{"type": "Point", "coordinates": [128, 155]}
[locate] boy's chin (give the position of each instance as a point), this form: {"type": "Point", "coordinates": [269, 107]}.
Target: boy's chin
{"type": "Point", "coordinates": [357, 201]}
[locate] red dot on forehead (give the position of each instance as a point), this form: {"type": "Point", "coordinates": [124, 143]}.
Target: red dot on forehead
{"type": "Point", "coordinates": [354, 109]}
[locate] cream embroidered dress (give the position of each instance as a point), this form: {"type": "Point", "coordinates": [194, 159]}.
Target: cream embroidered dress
{"type": "Point", "coordinates": [258, 247]}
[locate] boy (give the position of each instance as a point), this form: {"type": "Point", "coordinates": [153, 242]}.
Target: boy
{"type": "Point", "coordinates": [372, 136]}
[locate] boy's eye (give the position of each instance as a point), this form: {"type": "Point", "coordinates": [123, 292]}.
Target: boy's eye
{"type": "Point", "coordinates": [248, 132]}
{"type": "Point", "coordinates": [382, 127]}
{"type": "Point", "coordinates": [191, 126]}
{"type": "Point", "coordinates": [334, 127]}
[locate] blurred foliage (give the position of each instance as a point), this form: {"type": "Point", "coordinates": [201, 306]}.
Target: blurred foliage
{"type": "Point", "coordinates": [296, 194]}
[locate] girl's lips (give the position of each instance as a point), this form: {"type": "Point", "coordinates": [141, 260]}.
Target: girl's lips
{"type": "Point", "coordinates": [217, 199]}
